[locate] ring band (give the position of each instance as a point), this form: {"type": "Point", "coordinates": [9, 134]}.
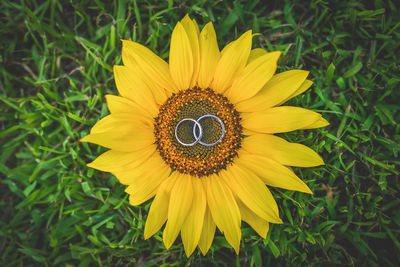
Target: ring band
{"type": "Point", "coordinates": [222, 130]}
{"type": "Point", "coordinates": [197, 125]}
{"type": "Point", "coordinates": [197, 138]}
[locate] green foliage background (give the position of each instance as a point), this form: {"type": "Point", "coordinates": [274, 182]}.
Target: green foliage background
{"type": "Point", "coordinates": [56, 66]}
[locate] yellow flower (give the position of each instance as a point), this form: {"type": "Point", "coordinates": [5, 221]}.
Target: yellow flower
{"type": "Point", "coordinates": [197, 134]}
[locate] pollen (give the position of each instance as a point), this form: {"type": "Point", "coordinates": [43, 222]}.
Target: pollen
{"type": "Point", "coordinates": [197, 160]}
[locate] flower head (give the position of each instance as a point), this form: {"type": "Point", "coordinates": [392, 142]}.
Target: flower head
{"type": "Point", "coordinates": [197, 135]}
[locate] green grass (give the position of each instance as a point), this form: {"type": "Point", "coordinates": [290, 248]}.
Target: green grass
{"type": "Point", "coordinates": [56, 66]}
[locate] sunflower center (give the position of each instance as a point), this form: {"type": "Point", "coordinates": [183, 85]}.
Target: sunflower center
{"type": "Point", "coordinates": [198, 132]}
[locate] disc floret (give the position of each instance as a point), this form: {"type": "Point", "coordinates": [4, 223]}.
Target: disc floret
{"type": "Point", "coordinates": [198, 160]}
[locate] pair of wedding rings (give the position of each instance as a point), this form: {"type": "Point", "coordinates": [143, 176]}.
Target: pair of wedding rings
{"type": "Point", "coordinates": [198, 131]}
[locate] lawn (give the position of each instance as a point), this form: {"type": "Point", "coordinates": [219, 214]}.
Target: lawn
{"type": "Point", "coordinates": [56, 66]}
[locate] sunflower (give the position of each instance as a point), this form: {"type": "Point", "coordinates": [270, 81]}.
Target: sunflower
{"type": "Point", "coordinates": [197, 135]}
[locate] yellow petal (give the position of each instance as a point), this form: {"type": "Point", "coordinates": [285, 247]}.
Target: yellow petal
{"type": "Point", "coordinates": [132, 86]}
{"type": "Point", "coordinates": [303, 87]}
{"type": "Point", "coordinates": [260, 225]}
{"type": "Point", "coordinates": [279, 119]}
{"type": "Point", "coordinates": [131, 173]}
{"type": "Point", "coordinates": [146, 185]}
{"type": "Point", "coordinates": [227, 47]}
{"type": "Point", "coordinates": [196, 26]}
{"type": "Point", "coordinates": [179, 205]}
{"type": "Point", "coordinates": [271, 172]}
{"type": "Point", "coordinates": [155, 68]}
{"type": "Point", "coordinates": [117, 104]}
{"type": "Point", "coordinates": [116, 160]}
{"type": "Point", "coordinates": [280, 150]}
{"type": "Point", "coordinates": [252, 192]}
{"type": "Point", "coordinates": [181, 58]}
{"type": "Point", "coordinates": [317, 124]}
{"type": "Point", "coordinates": [160, 94]}
{"type": "Point", "coordinates": [158, 212]}
{"type": "Point", "coordinates": [136, 79]}
{"type": "Point", "coordinates": [209, 55]}
{"type": "Point", "coordinates": [256, 53]}
{"type": "Point", "coordinates": [207, 233]}
{"type": "Point", "coordinates": [192, 33]}
{"type": "Point", "coordinates": [109, 122]}
{"type": "Point", "coordinates": [193, 225]}
{"type": "Point", "coordinates": [277, 89]}
{"type": "Point", "coordinates": [120, 134]}
{"type": "Point", "coordinates": [224, 209]}
{"type": "Point", "coordinates": [232, 62]}
{"type": "Point", "coordinates": [254, 76]}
